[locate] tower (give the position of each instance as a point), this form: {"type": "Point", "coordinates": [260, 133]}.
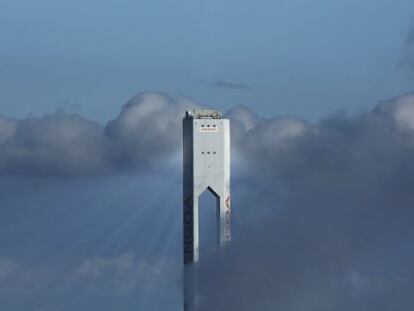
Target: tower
{"type": "Point", "coordinates": [206, 166]}
{"type": "Point", "coordinates": [206, 155]}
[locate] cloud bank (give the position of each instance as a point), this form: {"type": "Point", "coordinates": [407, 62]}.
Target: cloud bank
{"type": "Point", "coordinates": [66, 144]}
{"type": "Point", "coordinates": [322, 211]}
{"type": "Point", "coordinates": [324, 216]}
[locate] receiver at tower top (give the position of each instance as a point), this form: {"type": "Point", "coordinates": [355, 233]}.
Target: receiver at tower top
{"type": "Point", "coordinates": [203, 114]}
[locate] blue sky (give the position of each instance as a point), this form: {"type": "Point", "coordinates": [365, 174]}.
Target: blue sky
{"type": "Point", "coordinates": [92, 94]}
{"type": "Point", "coordinates": [298, 57]}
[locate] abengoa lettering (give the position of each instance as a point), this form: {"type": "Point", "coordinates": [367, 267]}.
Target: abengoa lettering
{"type": "Point", "coordinates": [209, 129]}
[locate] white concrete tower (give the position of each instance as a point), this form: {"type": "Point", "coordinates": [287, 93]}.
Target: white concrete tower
{"type": "Point", "coordinates": [206, 158]}
{"type": "Point", "coordinates": [206, 155]}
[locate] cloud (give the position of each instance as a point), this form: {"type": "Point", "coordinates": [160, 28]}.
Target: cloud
{"type": "Point", "coordinates": [102, 281]}
{"type": "Point", "coordinates": [230, 85]}
{"type": "Point", "coordinates": [147, 130]}
{"type": "Point", "coordinates": [119, 275]}
{"type": "Point", "coordinates": [7, 267]}
{"type": "Point", "coordinates": [146, 133]}
{"type": "Point", "coordinates": [7, 129]}
{"type": "Point", "coordinates": [60, 143]}
{"type": "Point", "coordinates": [21, 279]}
{"type": "Point", "coordinates": [244, 117]}
{"type": "Point", "coordinates": [324, 213]}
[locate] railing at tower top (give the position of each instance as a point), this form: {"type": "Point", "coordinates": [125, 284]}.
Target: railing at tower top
{"type": "Point", "coordinates": [203, 114]}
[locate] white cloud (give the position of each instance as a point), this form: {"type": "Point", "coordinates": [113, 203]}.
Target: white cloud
{"type": "Point", "coordinates": [64, 144]}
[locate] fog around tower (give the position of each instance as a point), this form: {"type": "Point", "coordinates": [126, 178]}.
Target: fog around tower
{"type": "Point", "coordinates": [322, 211]}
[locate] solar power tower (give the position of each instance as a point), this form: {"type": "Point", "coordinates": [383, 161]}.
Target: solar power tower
{"type": "Point", "coordinates": [206, 159]}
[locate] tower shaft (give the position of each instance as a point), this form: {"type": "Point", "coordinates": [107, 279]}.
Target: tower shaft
{"type": "Point", "coordinates": [206, 166]}
{"type": "Point", "coordinates": [206, 155]}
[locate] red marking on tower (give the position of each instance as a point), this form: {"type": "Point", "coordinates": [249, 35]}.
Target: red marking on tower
{"type": "Point", "coordinates": [227, 202]}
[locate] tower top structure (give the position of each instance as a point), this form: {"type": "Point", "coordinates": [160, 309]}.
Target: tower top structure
{"type": "Point", "coordinates": [203, 114]}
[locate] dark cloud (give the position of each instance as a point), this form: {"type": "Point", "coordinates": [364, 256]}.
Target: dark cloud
{"type": "Point", "coordinates": [325, 214]}
{"type": "Point", "coordinates": [230, 85]}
